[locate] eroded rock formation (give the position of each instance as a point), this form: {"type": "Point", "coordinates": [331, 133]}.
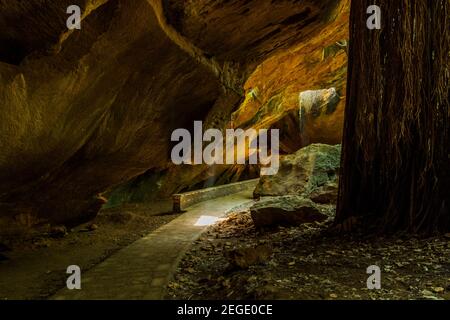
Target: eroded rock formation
{"type": "Point", "coordinates": [310, 171]}
{"type": "Point", "coordinates": [84, 111]}
{"type": "Point", "coordinates": [287, 210]}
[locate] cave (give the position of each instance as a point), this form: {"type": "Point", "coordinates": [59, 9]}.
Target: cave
{"type": "Point", "coordinates": [224, 150]}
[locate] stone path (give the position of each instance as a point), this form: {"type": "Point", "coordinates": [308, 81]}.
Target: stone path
{"type": "Point", "coordinates": [143, 269]}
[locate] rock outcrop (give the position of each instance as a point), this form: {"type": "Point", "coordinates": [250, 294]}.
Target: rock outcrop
{"type": "Point", "coordinates": [306, 180]}
{"type": "Point", "coordinates": [272, 90]}
{"type": "Point", "coordinates": [285, 211]}
{"type": "Point", "coordinates": [83, 111]}
{"type": "Point", "coordinates": [314, 104]}
{"type": "Point", "coordinates": [310, 172]}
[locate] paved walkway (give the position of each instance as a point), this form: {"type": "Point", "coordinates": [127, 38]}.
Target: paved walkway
{"type": "Point", "coordinates": [143, 269]}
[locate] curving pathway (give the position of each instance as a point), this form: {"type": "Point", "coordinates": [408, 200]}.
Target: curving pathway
{"type": "Point", "coordinates": [143, 269]}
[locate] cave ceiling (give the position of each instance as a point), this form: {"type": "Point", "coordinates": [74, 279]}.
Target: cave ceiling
{"type": "Point", "coordinates": [85, 110]}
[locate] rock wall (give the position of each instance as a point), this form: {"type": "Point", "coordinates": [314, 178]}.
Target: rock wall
{"type": "Point", "coordinates": [84, 111]}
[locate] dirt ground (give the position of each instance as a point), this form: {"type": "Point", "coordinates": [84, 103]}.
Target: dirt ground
{"type": "Point", "coordinates": [308, 262]}
{"type": "Point", "coordinates": [35, 267]}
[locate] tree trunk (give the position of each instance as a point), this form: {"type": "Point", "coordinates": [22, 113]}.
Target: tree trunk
{"type": "Point", "coordinates": [396, 148]}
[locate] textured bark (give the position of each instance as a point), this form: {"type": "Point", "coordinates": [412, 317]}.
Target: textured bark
{"type": "Point", "coordinates": [396, 145]}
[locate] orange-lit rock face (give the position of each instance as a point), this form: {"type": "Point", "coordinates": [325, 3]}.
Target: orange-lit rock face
{"type": "Point", "coordinates": [272, 90]}
{"type": "Point", "coordinates": [87, 110]}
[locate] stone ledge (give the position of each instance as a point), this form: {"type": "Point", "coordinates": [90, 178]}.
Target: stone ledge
{"type": "Point", "coordinates": [184, 200]}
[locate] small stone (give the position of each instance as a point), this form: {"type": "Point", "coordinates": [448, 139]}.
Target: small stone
{"type": "Point", "coordinates": [190, 270]}
{"type": "Point", "coordinates": [58, 232]}
{"type": "Point", "coordinates": [174, 285]}
{"type": "Point", "coordinates": [426, 293]}
{"type": "Point", "coordinates": [245, 257]}
{"type": "Point", "coordinates": [333, 295]}
{"type": "Point", "coordinates": [92, 227]}
{"type": "Point", "coordinates": [438, 289]}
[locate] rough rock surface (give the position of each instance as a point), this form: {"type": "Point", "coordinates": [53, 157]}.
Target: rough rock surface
{"type": "Point", "coordinates": [86, 110]}
{"type": "Point", "coordinates": [327, 194]}
{"type": "Point", "coordinates": [312, 105]}
{"type": "Point", "coordinates": [272, 90]}
{"type": "Point", "coordinates": [285, 211]}
{"type": "Point", "coordinates": [307, 171]}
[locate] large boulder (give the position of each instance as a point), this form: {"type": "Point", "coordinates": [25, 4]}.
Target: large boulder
{"type": "Point", "coordinates": [285, 211]}
{"type": "Point", "coordinates": [311, 170]}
